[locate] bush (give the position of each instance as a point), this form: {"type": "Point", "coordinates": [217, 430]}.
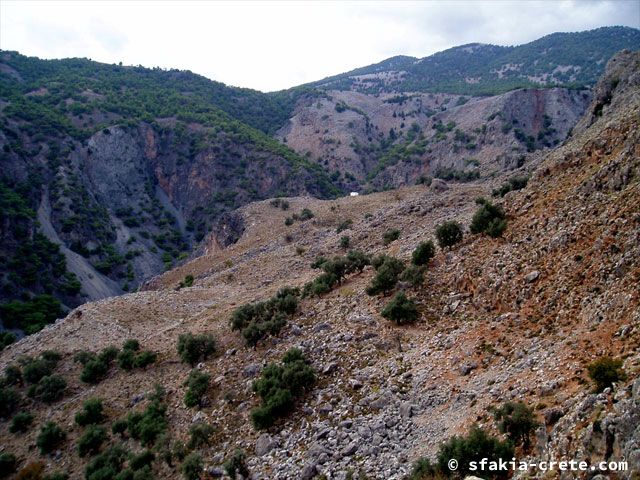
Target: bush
{"type": "Point", "coordinates": [119, 427]}
{"type": "Point", "coordinates": [144, 359]}
{"type": "Point", "coordinates": [344, 225]}
{"type": "Point", "coordinates": [91, 440]}
{"type": "Point", "coordinates": [256, 320]}
{"type": "Point", "coordinates": [6, 339]}
{"type": "Point", "coordinates": [390, 236]}
{"type": "Point", "coordinates": [187, 282]}
{"type": "Point", "coordinates": [345, 241]}
{"type": "Point", "coordinates": [489, 219]}
{"type": "Point", "coordinates": [400, 310]}
{"type": "Point", "coordinates": [200, 434]}
{"type": "Point", "coordinates": [49, 389]}
{"type": "Point", "coordinates": [413, 275]}
{"type": "Point", "coordinates": [514, 183]}
{"type": "Point", "coordinates": [107, 465]}
{"type": "Point", "coordinates": [517, 421]}
{"type": "Point", "coordinates": [148, 425]}
{"type": "Point", "coordinates": [50, 436]}
{"type": "Point", "coordinates": [278, 386]}
{"type": "Point", "coordinates": [7, 464]}
{"type": "Point", "coordinates": [34, 369]}
{"type": "Point", "coordinates": [132, 345]}
{"type": "Point", "coordinates": [192, 466]}
{"type": "Point", "coordinates": [12, 375]}
{"type": "Point", "coordinates": [144, 459]}
{"type": "Point", "coordinates": [9, 401]}
{"type": "Point", "coordinates": [236, 464]}
{"type": "Point", "coordinates": [388, 269]}
{"type": "Point", "coordinates": [605, 372]}
{"type": "Point", "coordinates": [197, 383]}
{"type": "Point", "coordinates": [423, 253]}
{"type": "Point", "coordinates": [305, 214]}
{"type": "Point", "coordinates": [56, 476]}
{"type": "Point", "coordinates": [91, 412]}
{"type": "Point", "coordinates": [288, 221]}
{"type": "Point", "coordinates": [21, 422]}
{"type": "Point", "coordinates": [448, 234]}
{"type": "Point", "coordinates": [193, 348]}
{"type": "Point", "coordinates": [96, 367]}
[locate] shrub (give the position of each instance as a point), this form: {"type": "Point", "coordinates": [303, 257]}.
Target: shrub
{"type": "Point", "coordinates": [193, 348]}
{"type": "Point", "coordinates": [21, 422]}
{"type": "Point", "coordinates": [191, 467]}
{"type": "Point", "coordinates": [288, 221]}
{"type": "Point", "coordinates": [12, 375]}
{"type": "Point", "coordinates": [35, 369]}
{"type": "Point", "coordinates": [9, 401]}
{"type": "Point", "coordinates": [119, 426]}
{"type": "Point", "coordinates": [91, 412]}
{"type": "Point", "coordinates": [236, 464]}
{"type": "Point", "coordinates": [187, 282]}
{"type": "Point", "coordinates": [131, 345]}
{"type": "Point", "coordinates": [413, 275]}
{"type": "Point", "coordinates": [50, 436]}
{"type": "Point", "coordinates": [256, 320]}
{"type": "Point", "coordinates": [144, 459]}
{"type": "Point", "coordinates": [400, 310]}
{"type": "Point", "coordinates": [344, 226]}
{"type": "Point", "coordinates": [200, 434]}
{"type": "Point", "coordinates": [423, 253]}
{"type": "Point", "coordinates": [106, 465]}
{"type": "Point", "coordinates": [390, 236]}
{"type": "Point", "coordinates": [388, 269]}
{"type": "Point", "coordinates": [514, 183]}
{"type": "Point", "coordinates": [489, 219]}
{"type": "Point", "coordinates": [197, 383]}
{"type": "Point", "coordinates": [56, 476]}
{"type": "Point", "coordinates": [91, 440]}
{"type": "Point", "coordinates": [96, 367]}
{"type": "Point", "coordinates": [305, 214]}
{"type": "Point", "coordinates": [144, 359]}
{"type": "Point", "coordinates": [7, 464]}
{"type": "Point", "coordinates": [516, 420]}
{"type": "Point", "coordinates": [605, 371]}
{"type": "Point", "coordinates": [146, 426]}
{"type": "Point", "coordinates": [448, 234]}
{"type": "Point", "coordinates": [278, 386]}
{"type": "Point", "coordinates": [49, 389]}
{"type": "Point", "coordinates": [6, 339]}
{"type": "Point", "coordinates": [344, 242]}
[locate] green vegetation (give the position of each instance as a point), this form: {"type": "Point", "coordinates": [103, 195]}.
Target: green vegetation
{"type": "Point", "coordinates": [131, 357]}
{"type": "Point", "coordinates": [334, 271]}
{"type": "Point", "coordinates": [400, 310]}
{"type": "Point", "coordinates": [278, 387]}
{"type": "Point", "coordinates": [8, 464]}
{"type": "Point", "coordinates": [34, 369]}
{"type": "Point", "coordinates": [197, 383]}
{"type": "Point", "coordinates": [200, 433]}
{"type": "Point", "coordinates": [21, 422]}
{"type": "Point", "coordinates": [96, 367]}
{"type": "Point", "coordinates": [106, 465]}
{"type": "Point", "coordinates": [9, 401]}
{"type": "Point", "coordinates": [31, 315]}
{"type": "Point", "coordinates": [236, 464]}
{"type": "Point", "coordinates": [518, 421]}
{"type": "Point", "coordinates": [473, 447]}
{"type": "Point", "coordinates": [91, 413]}
{"type": "Point", "coordinates": [489, 219]}
{"type": "Point", "coordinates": [448, 234]}
{"type": "Point", "coordinates": [49, 389]}
{"type": "Point", "coordinates": [50, 436]}
{"type": "Point", "coordinates": [344, 225]}
{"type": "Point", "coordinates": [414, 275]}
{"type": "Point", "coordinates": [148, 425]}
{"type": "Point", "coordinates": [514, 183]}
{"type": "Point", "coordinates": [194, 348]}
{"type": "Point", "coordinates": [345, 241]}
{"type": "Point", "coordinates": [187, 282]}
{"type": "Point", "coordinates": [6, 339]}
{"type": "Point", "coordinates": [390, 235]}
{"type": "Point", "coordinates": [423, 253]}
{"type": "Point", "coordinates": [256, 320]}
{"type": "Point", "coordinates": [606, 371]}
{"type": "Point", "coordinates": [191, 467]}
{"type": "Point", "coordinates": [91, 440]}
{"type": "Point", "coordinates": [388, 269]}
{"type": "Point", "coordinates": [458, 175]}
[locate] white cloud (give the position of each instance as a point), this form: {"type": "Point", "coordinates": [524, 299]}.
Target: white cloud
{"type": "Point", "coordinates": [274, 45]}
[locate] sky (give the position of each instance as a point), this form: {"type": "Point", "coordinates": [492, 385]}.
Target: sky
{"type": "Point", "coordinates": [269, 45]}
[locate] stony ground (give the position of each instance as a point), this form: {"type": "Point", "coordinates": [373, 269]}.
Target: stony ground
{"type": "Point", "coordinates": [512, 318]}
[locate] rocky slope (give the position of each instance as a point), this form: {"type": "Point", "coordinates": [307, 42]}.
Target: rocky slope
{"type": "Point", "coordinates": [389, 140]}
{"type": "Point", "coordinates": [517, 317]}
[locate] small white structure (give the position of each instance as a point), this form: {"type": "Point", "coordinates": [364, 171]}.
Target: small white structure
{"type": "Point", "coordinates": [354, 194]}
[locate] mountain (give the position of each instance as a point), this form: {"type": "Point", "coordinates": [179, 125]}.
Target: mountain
{"type": "Point", "coordinates": [112, 174]}
{"type": "Point", "coordinates": [519, 342]}
{"type": "Point", "coordinates": [561, 59]}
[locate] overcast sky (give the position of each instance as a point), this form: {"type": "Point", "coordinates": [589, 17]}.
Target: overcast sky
{"type": "Point", "coordinates": [276, 45]}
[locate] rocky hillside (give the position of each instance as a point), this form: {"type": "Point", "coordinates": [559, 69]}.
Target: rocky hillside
{"type": "Point", "coordinates": [111, 175]}
{"type": "Point", "coordinates": [519, 317]}
{"type": "Point", "coordinates": [375, 142]}
{"type": "Point", "coordinates": [559, 59]}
